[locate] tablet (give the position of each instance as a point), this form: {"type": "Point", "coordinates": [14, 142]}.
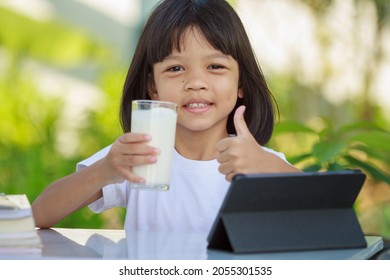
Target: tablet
{"type": "Point", "coordinates": [289, 212]}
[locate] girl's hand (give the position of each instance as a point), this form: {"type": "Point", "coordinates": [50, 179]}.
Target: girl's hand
{"type": "Point", "coordinates": [242, 154]}
{"type": "Point", "coordinates": [129, 149]}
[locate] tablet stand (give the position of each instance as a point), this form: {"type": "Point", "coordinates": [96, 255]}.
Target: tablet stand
{"type": "Point", "coordinates": [288, 231]}
{"type": "Point", "coordinates": [276, 214]}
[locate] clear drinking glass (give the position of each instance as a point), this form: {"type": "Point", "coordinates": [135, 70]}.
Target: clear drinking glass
{"type": "Point", "coordinates": [158, 119]}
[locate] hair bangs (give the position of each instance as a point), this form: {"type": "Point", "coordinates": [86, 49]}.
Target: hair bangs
{"type": "Point", "coordinates": [217, 31]}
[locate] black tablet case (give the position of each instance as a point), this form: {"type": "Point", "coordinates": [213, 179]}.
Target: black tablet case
{"type": "Point", "coordinates": [289, 212]}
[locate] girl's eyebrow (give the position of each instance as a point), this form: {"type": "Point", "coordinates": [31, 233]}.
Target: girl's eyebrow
{"type": "Point", "coordinates": [213, 55]}
{"type": "Point", "coordinates": [220, 55]}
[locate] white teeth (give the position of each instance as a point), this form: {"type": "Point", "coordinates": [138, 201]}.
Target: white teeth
{"type": "Point", "coordinates": [197, 105]}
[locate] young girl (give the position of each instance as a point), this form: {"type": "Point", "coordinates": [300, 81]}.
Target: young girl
{"type": "Point", "coordinates": [195, 53]}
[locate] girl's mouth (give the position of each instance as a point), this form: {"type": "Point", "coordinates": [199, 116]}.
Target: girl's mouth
{"type": "Point", "coordinates": [197, 106]}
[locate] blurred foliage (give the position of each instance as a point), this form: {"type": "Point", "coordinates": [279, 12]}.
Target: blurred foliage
{"type": "Point", "coordinates": [49, 42]}
{"type": "Point", "coordinates": [360, 145]}
{"type": "Point", "coordinates": [29, 156]}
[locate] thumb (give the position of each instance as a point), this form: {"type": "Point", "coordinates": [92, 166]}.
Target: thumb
{"type": "Point", "coordinates": [239, 122]}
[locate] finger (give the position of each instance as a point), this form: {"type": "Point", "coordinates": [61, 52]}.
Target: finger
{"type": "Point", "coordinates": [133, 160]}
{"type": "Point", "coordinates": [239, 122]}
{"type": "Point", "coordinates": [225, 169]}
{"type": "Point", "coordinates": [139, 149]}
{"type": "Point", "coordinates": [131, 177]}
{"type": "Point", "coordinates": [229, 177]}
{"type": "Point", "coordinates": [126, 168]}
{"type": "Point", "coordinates": [222, 158]}
{"type": "Point", "coordinates": [223, 145]}
{"type": "Point", "coordinates": [134, 137]}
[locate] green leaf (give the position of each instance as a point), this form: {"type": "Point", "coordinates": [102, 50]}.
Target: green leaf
{"type": "Point", "coordinates": [378, 140]}
{"type": "Point", "coordinates": [335, 166]}
{"type": "Point", "coordinates": [363, 125]}
{"type": "Point", "coordinates": [294, 127]}
{"type": "Point", "coordinates": [313, 167]}
{"type": "Point", "coordinates": [326, 151]}
{"type": "Point", "coordinates": [373, 153]}
{"type": "Point", "coordinates": [374, 171]}
{"type": "Point", "coordinates": [299, 158]}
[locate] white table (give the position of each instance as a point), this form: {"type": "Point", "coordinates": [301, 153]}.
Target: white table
{"type": "Point", "coordinates": [66, 243]}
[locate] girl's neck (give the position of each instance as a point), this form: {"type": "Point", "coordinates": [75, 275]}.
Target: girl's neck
{"type": "Point", "coordinates": [198, 145]}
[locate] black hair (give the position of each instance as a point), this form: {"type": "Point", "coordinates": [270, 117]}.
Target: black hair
{"type": "Point", "coordinates": [223, 29]}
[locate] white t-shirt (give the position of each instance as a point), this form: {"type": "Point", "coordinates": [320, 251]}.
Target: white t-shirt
{"type": "Point", "coordinates": [196, 192]}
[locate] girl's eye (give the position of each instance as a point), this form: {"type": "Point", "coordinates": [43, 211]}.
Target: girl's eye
{"type": "Point", "coordinates": [175, 69]}
{"type": "Point", "coordinates": [215, 67]}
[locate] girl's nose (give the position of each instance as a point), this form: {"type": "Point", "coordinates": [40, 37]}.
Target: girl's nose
{"type": "Point", "coordinates": [195, 81]}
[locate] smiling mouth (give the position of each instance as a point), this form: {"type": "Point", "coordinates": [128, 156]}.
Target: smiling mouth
{"type": "Point", "coordinates": [197, 105]}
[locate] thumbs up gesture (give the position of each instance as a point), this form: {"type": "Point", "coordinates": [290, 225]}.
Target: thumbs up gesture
{"type": "Point", "coordinates": [242, 154]}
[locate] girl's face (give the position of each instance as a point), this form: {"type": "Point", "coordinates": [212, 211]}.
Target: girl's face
{"type": "Point", "coordinates": [202, 81]}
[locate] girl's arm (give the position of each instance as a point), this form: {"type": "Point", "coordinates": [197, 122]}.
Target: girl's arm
{"type": "Point", "coordinates": [63, 197]}
{"type": "Point", "coordinates": [81, 188]}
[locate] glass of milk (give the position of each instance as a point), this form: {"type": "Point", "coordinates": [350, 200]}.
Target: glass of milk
{"type": "Point", "coordinates": [158, 119]}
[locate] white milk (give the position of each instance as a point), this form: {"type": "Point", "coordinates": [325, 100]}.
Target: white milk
{"type": "Point", "coordinates": [160, 123]}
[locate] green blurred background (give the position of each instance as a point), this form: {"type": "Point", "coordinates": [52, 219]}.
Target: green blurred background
{"type": "Point", "coordinates": [63, 64]}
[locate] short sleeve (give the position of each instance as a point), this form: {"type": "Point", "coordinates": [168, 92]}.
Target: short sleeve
{"type": "Point", "coordinates": [89, 161]}
{"type": "Point", "coordinates": [113, 194]}
{"type": "Point", "coordinates": [279, 154]}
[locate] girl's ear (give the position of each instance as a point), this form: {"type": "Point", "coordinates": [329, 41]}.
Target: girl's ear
{"type": "Point", "coordinates": [152, 91]}
{"type": "Point", "coordinates": [240, 93]}
{"type": "Point", "coordinates": [153, 95]}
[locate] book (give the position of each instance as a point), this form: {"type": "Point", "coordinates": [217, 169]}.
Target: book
{"type": "Point", "coordinates": [17, 224]}
{"type": "Point", "coordinates": [18, 234]}
{"type": "Point", "coordinates": [14, 206]}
